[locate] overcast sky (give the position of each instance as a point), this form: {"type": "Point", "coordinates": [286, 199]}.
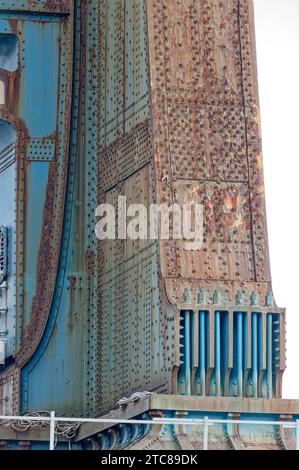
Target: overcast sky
{"type": "Point", "coordinates": [277, 34]}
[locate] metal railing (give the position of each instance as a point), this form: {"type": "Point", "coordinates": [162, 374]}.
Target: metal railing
{"type": "Point", "coordinates": [7, 156]}
{"type": "Point", "coordinates": [206, 422]}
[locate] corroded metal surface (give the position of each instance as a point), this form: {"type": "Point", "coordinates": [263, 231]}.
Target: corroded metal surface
{"type": "Point", "coordinates": [132, 322]}
{"type": "Point", "coordinates": [207, 149]}
{"type": "Point", "coordinates": [207, 139]}
{"type": "Point", "coordinates": [37, 6]}
{"type": "Point", "coordinates": [156, 101]}
{"type": "Point", "coordinates": [231, 435]}
{"type": "Point", "coordinates": [37, 89]}
{"type": "Point", "coordinates": [222, 404]}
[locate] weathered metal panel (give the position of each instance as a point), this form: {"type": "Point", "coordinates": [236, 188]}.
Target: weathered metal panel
{"type": "Point", "coordinates": [7, 271]}
{"type": "Point", "coordinates": [37, 6]}
{"type": "Point", "coordinates": [205, 120]}
{"type": "Point", "coordinates": [36, 103]}
{"type": "Point", "coordinates": [60, 347]}
{"type": "Point", "coordinates": [156, 101]}
{"type": "Point", "coordinates": [132, 323]}
{"type": "Point", "coordinates": [207, 147]}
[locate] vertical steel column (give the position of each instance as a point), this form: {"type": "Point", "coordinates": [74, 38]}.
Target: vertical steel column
{"type": "Point", "coordinates": [269, 355]}
{"type": "Point", "coordinates": [254, 354]}
{"type": "Point", "coordinates": [181, 376]}
{"type": "Point", "coordinates": [240, 352]}
{"type": "Point", "coordinates": [217, 354]}
{"type": "Point", "coordinates": [202, 349]}
{"type": "Point", "coordinates": [187, 353]}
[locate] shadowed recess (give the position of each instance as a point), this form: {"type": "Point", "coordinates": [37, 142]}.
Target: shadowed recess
{"type": "Point", "coordinates": [8, 52]}
{"type": "Point", "coordinates": [7, 134]}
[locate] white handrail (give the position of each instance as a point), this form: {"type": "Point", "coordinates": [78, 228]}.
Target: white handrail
{"type": "Point", "coordinates": [205, 422]}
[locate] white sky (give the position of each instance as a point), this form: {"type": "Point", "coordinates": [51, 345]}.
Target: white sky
{"type": "Point", "coordinates": [277, 34]}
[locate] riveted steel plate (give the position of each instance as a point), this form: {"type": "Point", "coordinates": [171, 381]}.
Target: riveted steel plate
{"type": "Point", "coordinates": [41, 150]}
{"type": "Point", "coordinates": [36, 6]}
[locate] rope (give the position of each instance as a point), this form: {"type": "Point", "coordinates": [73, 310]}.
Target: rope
{"type": "Point", "coordinates": [133, 398]}
{"type": "Point", "coordinates": [67, 430]}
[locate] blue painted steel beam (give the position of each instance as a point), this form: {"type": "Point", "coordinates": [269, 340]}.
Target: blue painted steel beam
{"type": "Point", "coordinates": [254, 347]}
{"type": "Point", "coordinates": [181, 373]}
{"type": "Point", "coordinates": [240, 352]}
{"type": "Point", "coordinates": [202, 350]}
{"type": "Point", "coordinates": [217, 354]}
{"type": "Point", "coordinates": [187, 353]}
{"type": "Point", "coordinates": [269, 355]}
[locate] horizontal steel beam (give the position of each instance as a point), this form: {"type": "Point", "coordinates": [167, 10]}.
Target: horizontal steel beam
{"type": "Point", "coordinates": [225, 404]}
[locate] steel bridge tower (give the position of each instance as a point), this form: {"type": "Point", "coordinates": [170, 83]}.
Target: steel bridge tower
{"type": "Point", "coordinates": [157, 101]}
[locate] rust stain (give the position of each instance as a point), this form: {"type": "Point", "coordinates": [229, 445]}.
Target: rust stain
{"type": "Point", "coordinates": [62, 6]}
{"type": "Point", "coordinates": [11, 82]}
{"type": "Point", "coordinates": [89, 262]}
{"type": "Point", "coordinates": [44, 283]}
{"type": "Point", "coordinates": [14, 26]}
